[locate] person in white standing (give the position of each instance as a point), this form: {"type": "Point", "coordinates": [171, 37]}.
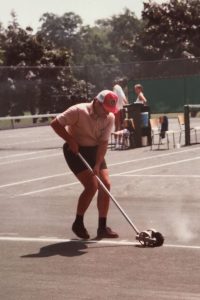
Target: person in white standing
{"type": "Point", "coordinates": [122, 100]}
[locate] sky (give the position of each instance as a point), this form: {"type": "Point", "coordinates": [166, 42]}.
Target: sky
{"type": "Point", "coordinates": [29, 11]}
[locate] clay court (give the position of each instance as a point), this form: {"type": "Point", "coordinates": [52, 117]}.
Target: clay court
{"type": "Point", "coordinates": [42, 259]}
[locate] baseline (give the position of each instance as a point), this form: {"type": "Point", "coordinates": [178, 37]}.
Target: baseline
{"type": "Point", "coordinates": [109, 242]}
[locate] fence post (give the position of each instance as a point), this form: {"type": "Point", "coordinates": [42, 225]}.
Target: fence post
{"type": "Point", "coordinates": [187, 124]}
{"type": "Point", "coordinates": [13, 123]}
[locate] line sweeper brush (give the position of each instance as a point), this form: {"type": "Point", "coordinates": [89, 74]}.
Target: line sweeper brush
{"type": "Point", "coordinates": [147, 238]}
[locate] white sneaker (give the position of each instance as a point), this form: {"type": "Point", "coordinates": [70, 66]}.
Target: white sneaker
{"type": "Point", "coordinates": [118, 147]}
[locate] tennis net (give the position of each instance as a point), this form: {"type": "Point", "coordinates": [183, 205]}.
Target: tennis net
{"type": "Point", "coordinates": [25, 121]}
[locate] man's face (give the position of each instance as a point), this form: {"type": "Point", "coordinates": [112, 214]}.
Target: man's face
{"type": "Point", "coordinates": [137, 90]}
{"type": "Point", "coordinates": [100, 110]}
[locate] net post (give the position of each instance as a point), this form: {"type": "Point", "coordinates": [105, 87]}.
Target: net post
{"type": "Point", "coordinates": [12, 123]}
{"type": "Point", "coordinates": [187, 124]}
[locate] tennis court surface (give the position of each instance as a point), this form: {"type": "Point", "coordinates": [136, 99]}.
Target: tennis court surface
{"type": "Point", "coordinates": [41, 258]}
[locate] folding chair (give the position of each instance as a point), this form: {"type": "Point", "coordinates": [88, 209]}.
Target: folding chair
{"type": "Point", "coordinates": [125, 139]}
{"type": "Point", "coordinates": [125, 142]}
{"type": "Point", "coordinates": [157, 130]}
{"type": "Point", "coordinates": [181, 121]}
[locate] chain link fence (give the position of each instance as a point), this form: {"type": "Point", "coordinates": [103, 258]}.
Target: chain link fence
{"type": "Point", "coordinates": [168, 85]}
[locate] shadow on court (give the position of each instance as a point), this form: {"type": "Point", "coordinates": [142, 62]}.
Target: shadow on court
{"type": "Point", "coordinates": [69, 249]}
{"type": "Point", "coordinates": [72, 248]}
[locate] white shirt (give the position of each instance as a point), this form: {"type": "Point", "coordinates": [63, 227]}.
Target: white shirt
{"type": "Point", "coordinates": [117, 89]}
{"type": "Point", "coordinates": [138, 100]}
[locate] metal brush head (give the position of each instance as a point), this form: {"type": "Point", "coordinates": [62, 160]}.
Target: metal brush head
{"type": "Point", "coordinates": [150, 238]}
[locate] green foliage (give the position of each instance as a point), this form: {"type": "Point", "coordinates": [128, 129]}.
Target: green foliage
{"type": "Point", "coordinates": [122, 30]}
{"type": "Point", "coordinates": [62, 31]}
{"type": "Point", "coordinates": [172, 30]}
{"type": "Point", "coordinates": [65, 62]}
{"type": "Point", "coordinates": [39, 78]}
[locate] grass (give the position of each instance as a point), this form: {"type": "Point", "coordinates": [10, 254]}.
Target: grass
{"type": "Point", "coordinates": [23, 123]}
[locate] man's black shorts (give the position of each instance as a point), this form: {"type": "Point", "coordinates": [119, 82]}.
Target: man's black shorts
{"type": "Point", "coordinates": [75, 163]}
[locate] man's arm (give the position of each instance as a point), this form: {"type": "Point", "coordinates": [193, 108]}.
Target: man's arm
{"type": "Point", "coordinates": [101, 152]}
{"type": "Point", "coordinates": [125, 101]}
{"type": "Point", "coordinates": [60, 130]}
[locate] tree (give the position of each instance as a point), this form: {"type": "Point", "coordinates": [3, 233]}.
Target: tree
{"type": "Point", "coordinates": [61, 31]}
{"type": "Point", "coordinates": [20, 48]}
{"type": "Point", "coordinates": [95, 46]}
{"type": "Point", "coordinates": [122, 30]}
{"type": "Point", "coordinates": [103, 48]}
{"type": "Point", "coordinates": [172, 30]}
{"type": "Point", "coordinates": [39, 76]}
{"type": "Point", "coordinates": [1, 41]}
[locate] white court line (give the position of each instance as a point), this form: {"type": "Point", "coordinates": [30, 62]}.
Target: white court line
{"type": "Point", "coordinates": [160, 175]}
{"type": "Point", "coordinates": [115, 164]}
{"type": "Point", "coordinates": [125, 175]}
{"type": "Point", "coordinates": [155, 156]}
{"type": "Point", "coordinates": [48, 189]}
{"type": "Point", "coordinates": [27, 153]}
{"type": "Point", "coordinates": [31, 142]}
{"type": "Point", "coordinates": [34, 179]}
{"type": "Point", "coordinates": [110, 165]}
{"type": "Point", "coordinates": [158, 166]}
{"type": "Point", "coordinates": [6, 136]}
{"type": "Point", "coordinates": [108, 242]}
{"type": "Point", "coordinates": [113, 175]}
{"type": "Point", "coordinates": [31, 158]}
